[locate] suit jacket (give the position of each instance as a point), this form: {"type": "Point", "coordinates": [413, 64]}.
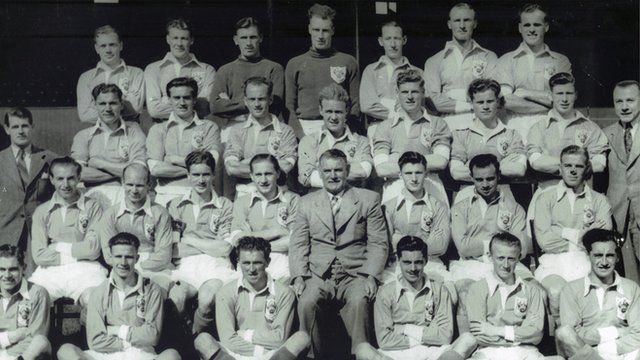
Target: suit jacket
{"type": "Point", "coordinates": [17, 204]}
{"type": "Point", "coordinates": [358, 238]}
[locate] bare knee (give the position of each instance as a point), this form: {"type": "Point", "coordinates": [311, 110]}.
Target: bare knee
{"type": "Point", "coordinates": [83, 300]}
{"type": "Point", "coordinates": [178, 295]}
{"type": "Point", "coordinates": [206, 345]}
{"type": "Point", "coordinates": [207, 293]}
{"type": "Point", "coordinates": [68, 352]}
{"type": "Point", "coordinates": [566, 335]}
{"type": "Point", "coordinates": [169, 354]}
{"type": "Point", "coordinates": [465, 344]}
{"type": "Point", "coordinates": [298, 342]}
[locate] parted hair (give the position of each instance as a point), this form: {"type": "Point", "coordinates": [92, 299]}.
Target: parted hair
{"type": "Point", "coordinates": [411, 157]}
{"type": "Point", "coordinates": [322, 11]}
{"type": "Point", "coordinates": [106, 89]}
{"type": "Point", "coordinates": [561, 79]}
{"type": "Point", "coordinates": [124, 238]}
{"type": "Point", "coordinates": [183, 81]}
{"type": "Point", "coordinates": [200, 157]}
{"type": "Point", "coordinates": [8, 251]}
{"type": "Point", "coordinates": [250, 243]}
{"type": "Point", "coordinates": [410, 76]}
{"type": "Point", "coordinates": [104, 30]}
{"type": "Point", "coordinates": [62, 161]}
{"type": "Point", "coordinates": [334, 92]}
{"type": "Point", "coordinates": [578, 150]}
{"type": "Point", "coordinates": [247, 22]}
{"type": "Point", "coordinates": [179, 24]}
{"type": "Point", "coordinates": [506, 239]}
{"type": "Point", "coordinates": [412, 243]}
{"type": "Point", "coordinates": [481, 85]}
{"type": "Point", "coordinates": [19, 112]}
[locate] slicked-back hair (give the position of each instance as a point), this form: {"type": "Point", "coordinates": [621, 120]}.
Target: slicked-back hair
{"type": "Point", "coordinates": [247, 22]}
{"type": "Point", "coordinates": [335, 92]}
{"type": "Point", "coordinates": [201, 157]}
{"type": "Point", "coordinates": [412, 243]}
{"type": "Point", "coordinates": [183, 81]}
{"type": "Point", "coordinates": [392, 22]}
{"type": "Point", "coordinates": [124, 238]}
{"type": "Point", "coordinates": [250, 243]}
{"type": "Point", "coordinates": [105, 30]}
{"type": "Point", "coordinates": [411, 157]}
{"type": "Point", "coordinates": [482, 85]}
{"type": "Point", "coordinates": [265, 157]}
{"type": "Point", "coordinates": [334, 154]}
{"type": "Point", "coordinates": [179, 24]}
{"type": "Point", "coordinates": [507, 239]}
{"type": "Point", "coordinates": [531, 7]}
{"type": "Point", "coordinates": [593, 236]}
{"type": "Point", "coordinates": [482, 161]}
{"type": "Point", "coordinates": [106, 89]}
{"type": "Point", "coordinates": [324, 12]}
{"type": "Point", "coordinates": [462, 5]}
{"type": "Point", "coordinates": [65, 161]}
{"type": "Point", "coordinates": [19, 112]}
{"type": "Point", "coordinates": [258, 81]}
{"type": "Point", "coordinates": [9, 251]}
{"type": "Point", "coordinates": [562, 78]}
{"type": "Point", "coordinates": [578, 150]}
{"type": "Point", "coordinates": [410, 76]}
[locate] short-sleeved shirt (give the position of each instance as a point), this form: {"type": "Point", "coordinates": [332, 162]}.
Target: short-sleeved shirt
{"type": "Point", "coordinates": [129, 79]}
{"type": "Point", "coordinates": [275, 138]}
{"type": "Point", "coordinates": [210, 221]}
{"type": "Point", "coordinates": [399, 134]}
{"type": "Point", "coordinates": [355, 146]}
{"type": "Point", "coordinates": [520, 69]}
{"type": "Point", "coordinates": [449, 72]}
{"type": "Point", "coordinates": [158, 74]}
{"type": "Point", "coordinates": [472, 141]}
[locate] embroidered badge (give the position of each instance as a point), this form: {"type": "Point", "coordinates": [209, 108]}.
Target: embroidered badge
{"type": "Point", "coordinates": [504, 219]}
{"type": "Point", "coordinates": [123, 84]}
{"type": "Point", "coordinates": [478, 68]}
{"type": "Point", "coordinates": [350, 150]}
{"type": "Point", "coordinates": [622, 304]}
{"type": "Point", "coordinates": [283, 215]}
{"type": "Point", "coordinates": [141, 306]}
{"type": "Point", "coordinates": [198, 76]}
{"type": "Point", "coordinates": [502, 146]}
{"type": "Point", "coordinates": [149, 231]}
{"type": "Point", "coordinates": [270, 309]}
{"type": "Point", "coordinates": [197, 139]}
{"type": "Point", "coordinates": [83, 222]}
{"type": "Point", "coordinates": [429, 310]}
{"type": "Point", "coordinates": [426, 220]}
{"type": "Point", "coordinates": [425, 136]}
{"type": "Point", "coordinates": [549, 71]}
{"type": "Point", "coordinates": [520, 306]}
{"type": "Point", "coordinates": [123, 150]}
{"type": "Point", "coordinates": [274, 142]}
{"type": "Point", "coordinates": [24, 313]}
{"type": "Point", "coordinates": [588, 215]}
{"type": "Point", "coordinates": [580, 137]}
{"type": "Point", "coordinates": [214, 223]}
{"type": "Point", "coordinates": [338, 73]}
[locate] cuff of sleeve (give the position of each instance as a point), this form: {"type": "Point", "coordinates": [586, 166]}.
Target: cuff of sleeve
{"type": "Point", "coordinates": [63, 247]}
{"type": "Point", "coordinates": [290, 160]}
{"type": "Point", "coordinates": [123, 332]}
{"type": "Point", "coordinates": [608, 348]}
{"type": "Point", "coordinates": [314, 179]}
{"type": "Point", "coordinates": [247, 335]}
{"type": "Point", "coordinates": [366, 166]}
{"type": "Point", "coordinates": [570, 234]}
{"type": "Point", "coordinates": [608, 333]}
{"type": "Point", "coordinates": [152, 164]}
{"type": "Point", "coordinates": [229, 158]}
{"type": "Point", "coordinates": [506, 90]}
{"type": "Point", "coordinates": [462, 107]}
{"type": "Point", "coordinates": [509, 333]}
{"type": "Point", "coordinates": [599, 161]}
{"type": "Point", "coordinates": [380, 159]}
{"type": "Point", "coordinates": [535, 156]}
{"type": "Point", "coordinates": [258, 351]}
{"type": "Point", "coordinates": [4, 339]}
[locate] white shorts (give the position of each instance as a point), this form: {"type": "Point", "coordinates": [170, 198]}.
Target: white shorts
{"type": "Point", "coordinates": [279, 266]}
{"type": "Point", "coordinates": [161, 278]}
{"type": "Point", "coordinates": [265, 356]}
{"type": "Point", "coordinates": [311, 126]}
{"type": "Point", "coordinates": [571, 265]}
{"type": "Point", "coordinates": [522, 123]}
{"type": "Point", "coordinates": [106, 195]}
{"type": "Point", "coordinates": [131, 353]}
{"type": "Point", "coordinates": [197, 269]}
{"type": "Point", "coordinates": [69, 280]}
{"type": "Point", "coordinates": [432, 185]}
{"type": "Point", "coordinates": [166, 193]}
{"type": "Point", "coordinates": [458, 121]}
{"type": "Point", "coordinates": [420, 352]}
{"type": "Point", "coordinates": [634, 355]}
{"type": "Point", "coordinates": [477, 270]}
{"type": "Point", "coordinates": [4, 355]}
{"type": "Point", "coordinates": [508, 352]}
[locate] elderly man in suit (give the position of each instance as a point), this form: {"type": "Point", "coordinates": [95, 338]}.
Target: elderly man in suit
{"type": "Point", "coordinates": [24, 182]}
{"type": "Point", "coordinates": [337, 250]}
{"type": "Point", "coordinates": [624, 171]}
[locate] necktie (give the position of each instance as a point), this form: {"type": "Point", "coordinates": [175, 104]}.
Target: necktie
{"type": "Point", "coordinates": [22, 168]}
{"type": "Point", "coordinates": [628, 139]}
{"type": "Point", "coordinates": [335, 204]}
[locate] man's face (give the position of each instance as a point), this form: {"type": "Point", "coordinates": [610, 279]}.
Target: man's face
{"type": "Point", "coordinates": [248, 41]}
{"type": "Point", "coordinates": [201, 177]}
{"type": "Point", "coordinates": [334, 173]}
{"type": "Point", "coordinates": [410, 96]}
{"type": "Point", "coordinates": [413, 176]}
{"type": "Point", "coordinates": [504, 259]}
{"type": "Point", "coordinates": [572, 169]}
{"type": "Point", "coordinates": [564, 98]}
{"type": "Point", "coordinates": [625, 101]}
{"type": "Point", "coordinates": [485, 105]}
{"type": "Point", "coordinates": [334, 114]}
{"type": "Point", "coordinates": [321, 31]}
{"type": "Point", "coordinates": [412, 265]}
{"type": "Point", "coordinates": [109, 107]}
{"type": "Point", "coordinates": [257, 100]}
{"type": "Point", "coordinates": [253, 266]}
{"type": "Point", "coordinates": [179, 42]}
{"type": "Point", "coordinates": [603, 258]}
{"type": "Point", "coordinates": [108, 47]}
{"type": "Point", "coordinates": [265, 176]}
{"type": "Point", "coordinates": [136, 186]}
{"type": "Point", "coordinates": [532, 27]}
{"type": "Point", "coordinates": [485, 180]}
{"type": "Point", "coordinates": [462, 22]}
{"type": "Point", "coordinates": [392, 41]}
{"type": "Point", "coordinates": [124, 260]}
{"type": "Point", "coordinates": [19, 131]}
{"type": "Point", "coordinates": [10, 273]}
{"type": "Point", "coordinates": [65, 180]}
{"type": "Point", "coordinates": [182, 101]}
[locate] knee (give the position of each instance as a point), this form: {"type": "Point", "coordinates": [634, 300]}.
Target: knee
{"type": "Point", "coordinates": [565, 335]}
{"type": "Point", "coordinates": [205, 341]}
{"type": "Point", "coordinates": [356, 300]}
{"type": "Point", "coordinates": [465, 343]}
{"type": "Point", "coordinates": [207, 293]}
{"type": "Point", "coordinates": [171, 354]}
{"type": "Point", "coordinates": [364, 351]}
{"type": "Point", "coordinates": [84, 297]}
{"type": "Point", "coordinates": [298, 342]}
{"type": "Point", "coordinates": [67, 352]}
{"type": "Point", "coordinates": [308, 301]}
{"type": "Point", "coordinates": [41, 343]}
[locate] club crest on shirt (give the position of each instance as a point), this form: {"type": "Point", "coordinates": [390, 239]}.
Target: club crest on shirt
{"type": "Point", "coordinates": [350, 150]}
{"type": "Point", "coordinates": [198, 76]}
{"type": "Point", "coordinates": [149, 231]}
{"type": "Point", "coordinates": [123, 150]}
{"type": "Point", "coordinates": [426, 220]}
{"type": "Point", "coordinates": [214, 223]}
{"type": "Point", "coordinates": [275, 138]}
{"type": "Point", "coordinates": [622, 304]}
{"type": "Point", "coordinates": [338, 73]}
{"type": "Point", "coordinates": [502, 146]}
{"type": "Point", "coordinates": [24, 313]}
{"type": "Point", "coordinates": [478, 68]}
{"type": "Point", "coordinates": [425, 136]}
{"type": "Point", "coordinates": [83, 222]}
{"type": "Point", "coordinates": [549, 71]}
{"type": "Point", "coordinates": [588, 215]}
{"type": "Point", "coordinates": [580, 137]}
{"type": "Point", "coordinates": [520, 306]}
{"type": "Point", "coordinates": [283, 215]}
{"type": "Point", "coordinates": [123, 84]}
{"type": "Point", "coordinates": [429, 310]}
{"type": "Point", "coordinates": [197, 139]}
{"type": "Point", "coordinates": [141, 306]}
{"type": "Point", "coordinates": [504, 219]}
{"type": "Point", "coordinates": [270, 309]}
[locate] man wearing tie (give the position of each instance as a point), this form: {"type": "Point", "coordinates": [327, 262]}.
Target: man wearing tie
{"type": "Point", "coordinates": [24, 182]}
{"type": "Point", "coordinates": [337, 250]}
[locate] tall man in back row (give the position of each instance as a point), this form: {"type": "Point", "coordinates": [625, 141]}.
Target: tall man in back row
{"type": "Point", "coordinates": [337, 249]}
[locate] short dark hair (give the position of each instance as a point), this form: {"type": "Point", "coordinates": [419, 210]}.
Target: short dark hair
{"type": "Point", "coordinates": [627, 83]}
{"type": "Point", "coordinates": [578, 150]}
{"type": "Point", "coordinates": [104, 30]}
{"type": "Point", "coordinates": [135, 165]}
{"type": "Point", "coordinates": [411, 157]}
{"type": "Point", "coordinates": [393, 23]}
{"type": "Point", "coordinates": [410, 76]}
{"type": "Point", "coordinates": [247, 22]}
{"type": "Point", "coordinates": [9, 251]}
{"type": "Point", "coordinates": [65, 161]}
{"type": "Point", "coordinates": [506, 239]}
{"type": "Point", "coordinates": [201, 157]}
{"type": "Point", "coordinates": [124, 238]}
{"type": "Point", "coordinates": [322, 11]}
{"type": "Point", "coordinates": [481, 85]}
{"type": "Point", "coordinates": [482, 161]}
{"type": "Point", "coordinates": [179, 24]}
{"type": "Point", "coordinates": [257, 81]}
{"type": "Point", "coordinates": [529, 8]}
{"type": "Point", "coordinates": [106, 89]}
{"type": "Point", "coordinates": [183, 81]}
{"type": "Point", "coordinates": [334, 154]}
{"type": "Point", "coordinates": [19, 112]}
{"type": "Point", "coordinates": [335, 92]}
{"type": "Point", "coordinates": [598, 235]}
{"type": "Point", "coordinates": [562, 78]}
{"type": "Point", "coordinates": [412, 243]}
{"type": "Point", "coordinates": [265, 157]}
{"type": "Point", "coordinates": [250, 243]}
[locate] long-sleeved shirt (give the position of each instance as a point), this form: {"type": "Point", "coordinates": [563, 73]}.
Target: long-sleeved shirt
{"type": "Point", "coordinates": [28, 307]}
{"type": "Point", "coordinates": [74, 225]}
{"type": "Point", "coordinates": [405, 317]}
{"type": "Point", "coordinates": [426, 218]}
{"type": "Point", "coordinates": [474, 222]}
{"type": "Point", "coordinates": [158, 74]}
{"type": "Point", "coordinates": [151, 224]}
{"type": "Point", "coordinates": [519, 308]}
{"type": "Point", "coordinates": [230, 80]}
{"type": "Point", "coordinates": [307, 74]}
{"type": "Point", "coordinates": [138, 312]}
{"type": "Point", "coordinates": [378, 86]}
{"type": "Point", "coordinates": [129, 79]}
{"type": "Point", "coordinates": [263, 316]}
{"type": "Point", "coordinates": [561, 216]}
{"type": "Point", "coordinates": [602, 315]}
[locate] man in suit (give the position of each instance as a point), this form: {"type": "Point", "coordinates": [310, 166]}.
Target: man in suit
{"type": "Point", "coordinates": [337, 249]}
{"type": "Point", "coordinates": [24, 182]}
{"type": "Point", "coordinates": [624, 171]}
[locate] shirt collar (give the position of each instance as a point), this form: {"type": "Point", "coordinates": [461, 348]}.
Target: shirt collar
{"type": "Point", "coordinates": [15, 149]}
{"type": "Point", "coordinates": [338, 195]}
{"type": "Point", "coordinates": [138, 287]}
{"type": "Point", "coordinates": [493, 282]}
{"type": "Point", "coordinates": [402, 284]}
{"type": "Point", "coordinates": [175, 120]}
{"type": "Point", "coordinates": [123, 208]}
{"type": "Point", "coordinates": [384, 61]}
{"type": "Point", "coordinates": [588, 284]}
{"type": "Point", "coordinates": [450, 46]}
{"type": "Point", "coordinates": [172, 59]}
{"type": "Point", "coordinates": [553, 115]}
{"type": "Point", "coordinates": [523, 49]}
{"type": "Point", "coordinates": [102, 126]}
{"type": "Point", "coordinates": [476, 197]}
{"type": "Point", "coordinates": [57, 201]}
{"type": "Point", "coordinates": [251, 121]}
{"type": "Point", "coordinates": [326, 133]}
{"type": "Point", "coordinates": [23, 290]}
{"type": "Point", "coordinates": [405, 195]}
{"type": "Point", "coordinates": [255, 194]}
{"type": "Point", "coordinates": [477, 126]}
{"type": "Point", "coordinates": [101, 66]}
{"type": "Point", "coordinates": [401, 114]}
{"type": "Point", "coordinates": [271, 286]}
{"type": "Point", "coordinates": [215, 199]}
{"type": "Point", "coordinates": [562, 190]}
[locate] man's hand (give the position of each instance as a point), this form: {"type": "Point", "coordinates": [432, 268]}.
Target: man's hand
{"type": "Point", "coordinates": [18, 334]}
{"type": "Point", "coordinates": [370, 287]}
{"type": "Point", "coordinates": [484, 328]}
{"type": "Point", "coordinates": [298, 286]}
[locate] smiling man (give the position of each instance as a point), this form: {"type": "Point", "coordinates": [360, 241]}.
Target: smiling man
{"type": "Point", "coordinates": [600, 313]}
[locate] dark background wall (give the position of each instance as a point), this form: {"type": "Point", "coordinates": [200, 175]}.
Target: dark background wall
{"type": "Point", "coordinates": [46, 45]}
